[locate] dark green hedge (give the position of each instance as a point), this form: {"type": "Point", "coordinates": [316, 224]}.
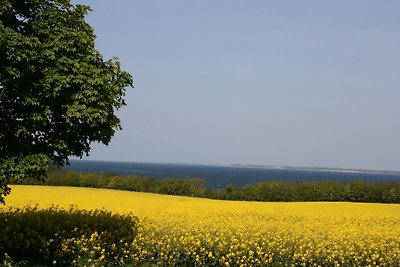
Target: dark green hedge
{"type": "Point", "coordinates": [174, 186]}
{"type": "Point", "coordinates": [61, 237]}
{"type": "Point", "coordinates": [356, 191]}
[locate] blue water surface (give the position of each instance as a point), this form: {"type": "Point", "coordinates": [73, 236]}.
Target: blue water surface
{"type": "Point", "coordinates": [221, 176]}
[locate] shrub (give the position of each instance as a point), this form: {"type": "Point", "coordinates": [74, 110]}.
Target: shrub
{"type": "Point", "coordinates": [65, 237]}
{"type": "Point", "coordinates": [172, 186]}
{"type": "Point", "coordinates": [182, 187]}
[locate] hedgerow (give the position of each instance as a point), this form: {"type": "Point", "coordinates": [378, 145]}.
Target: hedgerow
{"type": "Point", "coordinates": [64, 237]}
{"type": "Point", "coordinates": [325, 190]}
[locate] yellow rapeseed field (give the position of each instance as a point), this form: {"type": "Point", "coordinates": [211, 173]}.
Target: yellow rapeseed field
{"type": "Point", "coordinates": [203, 232]}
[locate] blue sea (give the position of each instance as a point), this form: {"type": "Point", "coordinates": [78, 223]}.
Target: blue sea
{"type": "Point", "coordinates": [220, 176]}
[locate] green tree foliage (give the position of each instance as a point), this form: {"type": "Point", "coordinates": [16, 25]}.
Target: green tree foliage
{"type": "Point", "coordinates": [57, 93]}
{"type": "Point", "coordinates": [193, 187]}
{"type": "Point", "coordinates": [357, 191]}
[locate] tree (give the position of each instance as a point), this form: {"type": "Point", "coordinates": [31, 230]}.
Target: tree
{"type": "Point", "coordinates": [57, 93]}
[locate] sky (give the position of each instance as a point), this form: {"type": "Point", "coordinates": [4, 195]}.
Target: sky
{"type": "Point", "coordinates": [299, 83]}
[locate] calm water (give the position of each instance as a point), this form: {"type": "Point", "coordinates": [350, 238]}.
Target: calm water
{"type": "Point", "coordinates": [220, 176]}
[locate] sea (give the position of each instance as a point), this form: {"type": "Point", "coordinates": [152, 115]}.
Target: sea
{"type": "Point", "coordinates": [221, 176]}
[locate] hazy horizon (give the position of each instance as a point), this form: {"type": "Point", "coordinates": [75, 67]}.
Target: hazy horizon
{"type": "Point", "coordinates": [308, 84]}
{"type": "Point", "coordinates": [250, 165]}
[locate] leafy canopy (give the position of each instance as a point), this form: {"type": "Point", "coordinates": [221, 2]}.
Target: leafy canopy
{"type": "Point", "coordinates": [57, 93]}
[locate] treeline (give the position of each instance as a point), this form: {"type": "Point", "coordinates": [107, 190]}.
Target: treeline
{"type": "Point", "coordinates": [174, 186]}
{"type": "Point", "coordinates": [357, 191]}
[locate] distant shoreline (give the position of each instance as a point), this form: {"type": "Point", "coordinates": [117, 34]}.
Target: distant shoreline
{"type": "Point", "coordinates": [258, 166]}
{"type": "Point", "coordinates": [323, 169]}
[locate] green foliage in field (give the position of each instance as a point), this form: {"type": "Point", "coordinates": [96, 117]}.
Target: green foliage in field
{"type": "Point", "coordinates": [56, 236]}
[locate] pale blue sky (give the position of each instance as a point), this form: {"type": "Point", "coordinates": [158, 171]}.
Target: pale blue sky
{"type": "Point", "coordinates": [302, 83]}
